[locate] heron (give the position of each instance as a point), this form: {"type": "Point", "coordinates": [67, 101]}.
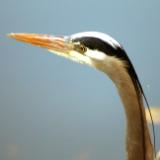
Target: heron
{"type": "Point", "coordinates": [102, 52]}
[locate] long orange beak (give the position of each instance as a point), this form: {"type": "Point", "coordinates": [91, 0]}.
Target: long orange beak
{"type": "Point", "coordinates": [53, 43]}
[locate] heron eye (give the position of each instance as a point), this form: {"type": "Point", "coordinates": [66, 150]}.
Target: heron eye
{"type": "Point", "coordinates": [80, 48]}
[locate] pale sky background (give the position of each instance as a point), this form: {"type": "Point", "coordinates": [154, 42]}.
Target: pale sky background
{"type": "Point", "coordinates": [52, 108]}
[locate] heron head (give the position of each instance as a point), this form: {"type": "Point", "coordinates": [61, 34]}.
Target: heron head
{"type": "Point", "coordinates": [92, 48]}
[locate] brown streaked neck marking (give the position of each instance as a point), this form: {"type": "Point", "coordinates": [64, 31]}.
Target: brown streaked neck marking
{"type": "Point", "coordinates": [138, 142]}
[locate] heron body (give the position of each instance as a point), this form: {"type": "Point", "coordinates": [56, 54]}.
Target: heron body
{"type": "Point", "coordinates": [102, 52]}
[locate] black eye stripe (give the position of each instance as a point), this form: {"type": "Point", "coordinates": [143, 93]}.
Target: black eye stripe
{"type": "Point", "coordinates": [100, 45]}
{"type": "Point", "coordinates": [103, 46]}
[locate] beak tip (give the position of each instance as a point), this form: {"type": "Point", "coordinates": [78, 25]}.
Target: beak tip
{"type": "Point", "coordinates": [11, 35]}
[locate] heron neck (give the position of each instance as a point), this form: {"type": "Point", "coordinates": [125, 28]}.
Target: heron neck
{"type": "Point", "coordinates": [138, 142]}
